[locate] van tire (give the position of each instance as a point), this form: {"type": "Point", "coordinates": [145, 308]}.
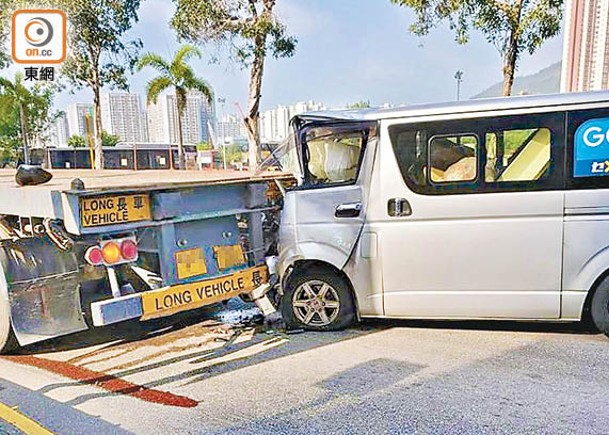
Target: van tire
{"type": "Point", "coordinates": [599, 307]}
{"type": "Point", "coordinates": [8, 341]}
{"type": "Point", "coordinates": [334, 312]}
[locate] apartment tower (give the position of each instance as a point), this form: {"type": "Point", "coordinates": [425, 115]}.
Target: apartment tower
{"type": "Point", "coordinates": [586, 46]}
{"type": "Point", "coordinates": [121, 114]}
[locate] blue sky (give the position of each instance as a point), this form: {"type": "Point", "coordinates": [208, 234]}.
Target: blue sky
{"type": "Point", "coordinates": [348, 50]}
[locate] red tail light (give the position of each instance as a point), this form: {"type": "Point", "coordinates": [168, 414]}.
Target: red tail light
{"type": "Point", "coordinates": [129, 250]}
{"type": "Point", "coordinates": [93, 256]}
{"type": "Point", "coordinates": [112, 252]}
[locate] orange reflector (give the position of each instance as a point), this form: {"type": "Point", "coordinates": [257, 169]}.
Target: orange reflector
{"type": "Point", "coordinates": [111, 253]}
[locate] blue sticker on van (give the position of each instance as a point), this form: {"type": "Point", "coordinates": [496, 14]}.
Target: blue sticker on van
{"type": "Point", "coordinates": [592, 149]}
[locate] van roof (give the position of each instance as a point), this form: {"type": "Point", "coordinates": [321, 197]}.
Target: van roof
{"type": "Point", "coordinates": [566, 100]}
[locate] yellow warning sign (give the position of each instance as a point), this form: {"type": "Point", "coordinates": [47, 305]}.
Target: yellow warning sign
{"type": "Point", "coordinates": [170, 300]}
{"type": "Point", "coordinates": [114, 210]}
{"type": "Point", "coordinates": [229, 256]}
{"type": "Point", "coordinates": [190, 262]}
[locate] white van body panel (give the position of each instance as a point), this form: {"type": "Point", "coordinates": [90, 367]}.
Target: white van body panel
{"type": "Point", "coordinates": [491, 255]}
{"type": "Point", "coordinates": [586, 245]}
{"type": "Point", "coordinates": [310, 231]}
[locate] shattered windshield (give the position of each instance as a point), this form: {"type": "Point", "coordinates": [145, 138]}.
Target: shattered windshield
{"type": "Point", "coordinates": [284, 158]}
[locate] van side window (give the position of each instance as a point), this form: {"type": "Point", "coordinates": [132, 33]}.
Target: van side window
{"type": "Point", "coordinates": [453, 158]}
{"type": "Point", "coordinates": [517, 155]}
{"type": "Point", "coordinates": [494, 154]}
{"type": "Point", "coordinates": [333, 154]}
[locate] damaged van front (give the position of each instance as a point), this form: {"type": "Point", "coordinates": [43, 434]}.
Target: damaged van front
{"type": "Point", "coordinates": [322, 218]}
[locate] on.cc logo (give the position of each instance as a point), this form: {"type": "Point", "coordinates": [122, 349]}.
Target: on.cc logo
{"type": "Point", "coordinates": [39, 36]}
{"type": "Point", "coordinates": [38, 32]}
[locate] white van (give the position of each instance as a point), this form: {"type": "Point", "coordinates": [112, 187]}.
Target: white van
{"type": "Point", "coordinates": [485, 209]}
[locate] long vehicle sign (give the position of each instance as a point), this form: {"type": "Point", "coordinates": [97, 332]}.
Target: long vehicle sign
{"type": "Point", "coordinates": [170, 300]}
{"type": "Point", "coordinates": [114, 210]}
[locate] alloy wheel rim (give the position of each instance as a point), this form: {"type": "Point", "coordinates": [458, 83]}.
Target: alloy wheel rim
{"type": "Point", "coordinates": [316, 303]}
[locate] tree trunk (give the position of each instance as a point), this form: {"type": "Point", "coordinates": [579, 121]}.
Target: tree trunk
{"type": "Point", "coordinates": [181, 106]}
{"type": "Point", "coordinates": [99, 155]}
{"type": "Point", "coordinates": [24, 135]}
{"type": "Point", "coordinates": [253, 111]}
{"type": "Point", "coordinates": [510, 57]}
{"type": "Point", "coordinates": [508, 76]}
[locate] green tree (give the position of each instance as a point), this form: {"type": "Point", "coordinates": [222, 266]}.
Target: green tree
{"type": "Point", "coordinates": [109, 140]}
{"type": "Point", "coordinates": [5, 30]}
{"type": "Point", "coordinates": [6, 10]}
{"type": "Point", "coordinates": [251, 29]}
{"type": "Point", "coordinates": [32, 106]}
{"type": "Point", "coordinates": [513, 26]}
{"type": "Point", "coordinates": [204, 146]}
{"type": "Point", "coordinates": [176, 74]}
{"type": "Point", "coordinates": [77, 141]}
{"type": "Point", "coordinates": [10, 134]}
{"type": "Point", "coordinates": [234, 153]}
{"type": "Point", "coordinates": [99, 54]}
{"type": "Point", "coordinates": [363, 104]}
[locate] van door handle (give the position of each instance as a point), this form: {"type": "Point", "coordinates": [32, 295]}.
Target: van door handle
{"type": "Point", "coordinates": [350, 210]}
{"type": "Point", "coordinates": [398, 207]}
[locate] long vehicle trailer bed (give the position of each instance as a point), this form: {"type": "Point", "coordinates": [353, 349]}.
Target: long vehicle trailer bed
{"type": "Point", "coordinates": [41, 200]}
{"type": "Point", "coordinates": [91, 248]}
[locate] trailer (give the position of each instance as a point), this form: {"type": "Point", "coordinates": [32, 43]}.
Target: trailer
{"type": "Point", "coordinates": [93, 248]}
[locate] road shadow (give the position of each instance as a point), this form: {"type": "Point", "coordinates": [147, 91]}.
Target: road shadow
{"type": "Point", "coordinates": [124, 332]}
{"type": "Point", "coordinates": [135, 331]}
{"type": "Point", "coordinates": [248, 344]}
{"type": "Point", "coordinates": [582, 327]}
{"type": "Point", "coordinates": [199, 364]}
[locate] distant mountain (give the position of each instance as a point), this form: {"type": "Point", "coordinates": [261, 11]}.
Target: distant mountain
{"type": "Point", "coordinates": [546, 81]}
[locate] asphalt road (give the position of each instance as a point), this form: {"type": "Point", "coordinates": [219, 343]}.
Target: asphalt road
{"type": "Point", "coordinates": [379, 377]}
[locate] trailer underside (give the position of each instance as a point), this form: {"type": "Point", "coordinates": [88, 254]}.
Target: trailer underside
{"type": "Point", "coordinates": [200, 237]}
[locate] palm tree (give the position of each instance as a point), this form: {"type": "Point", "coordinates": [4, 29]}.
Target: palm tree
{"type": "Point", "coordinates": [176, 74]}
{"type": "Point", "coordinates": [30, 104]}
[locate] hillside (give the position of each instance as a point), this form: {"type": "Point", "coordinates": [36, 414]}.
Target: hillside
{"type": "Point", "coordinates": [546, 81]}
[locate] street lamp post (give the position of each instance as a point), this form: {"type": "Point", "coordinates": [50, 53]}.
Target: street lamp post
{"type": "Point", "coordinates": [459, 79]}
{"type": "Point", "coordinates": [222, 101]}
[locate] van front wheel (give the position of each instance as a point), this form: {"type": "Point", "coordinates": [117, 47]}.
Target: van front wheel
{"type": "Point", "coordinates": [8, 342]}
{"type": "Point", "coordinates": [599, 308]}
{"type": "Point", "coordinates": [317, 299]}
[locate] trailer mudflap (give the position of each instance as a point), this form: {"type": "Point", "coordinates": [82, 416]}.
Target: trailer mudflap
{"type": "Point", "coordinates": [182, 297]}
{"type": "Point", "coordinates": [42, 287]}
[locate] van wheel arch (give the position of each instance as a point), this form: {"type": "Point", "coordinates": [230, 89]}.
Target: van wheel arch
{"type": "Point", "coordinates": [600, 284]}
{"type": "Point", "coordinates": [8, 340]}
{"type": "Point", "coordinates": [308, 266]}
{"type": "Point", "coordinates": [318, 264]}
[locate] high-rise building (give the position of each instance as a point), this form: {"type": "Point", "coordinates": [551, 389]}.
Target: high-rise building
{"type": "Point", "coordinates": [58, 131]}
{"type": "Point", "coordinates": [157, 118]}
{"type": "Point", "coordinates": [162, 119]}
{"type": "Point", "coordinates": [231, 128]}
{"type": "Point", "coordinates": [121, 115]}
{"type": "Point", "coordinates": [76, 114]}
{"type": "Point", "coordinates": [586, 46]}
{"type": "Point", "coordinates": [275, 123]}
